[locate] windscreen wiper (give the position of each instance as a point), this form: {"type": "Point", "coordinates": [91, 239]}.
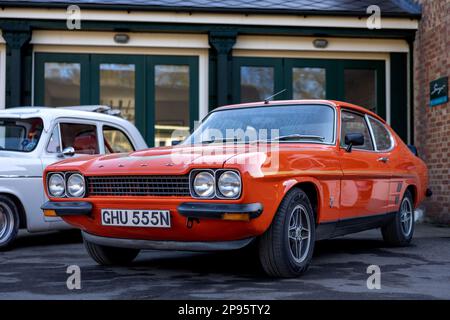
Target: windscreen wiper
{"type": "Point", "coordinates": [235, 139]}
{"type": "Point", "coordinates": [291, 137]}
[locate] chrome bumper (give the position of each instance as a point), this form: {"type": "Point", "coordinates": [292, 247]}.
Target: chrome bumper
{"type": "Point", "coordinates": [167, 245]}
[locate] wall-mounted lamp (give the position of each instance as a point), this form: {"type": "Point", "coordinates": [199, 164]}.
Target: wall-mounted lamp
{"type": "Point", "coordinates": [320, 43]}
{"type": "Point", "coordinates": [121, 38]}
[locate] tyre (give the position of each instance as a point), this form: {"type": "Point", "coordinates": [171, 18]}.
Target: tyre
{"type": "Point", "coordinates": [400, 230]}
{"type": "Point", "coordinates": [9, 222]}
{"type": "Point", "coordinates": [286, 248]}
{"type": "Point", "coordinates": [109, 256]}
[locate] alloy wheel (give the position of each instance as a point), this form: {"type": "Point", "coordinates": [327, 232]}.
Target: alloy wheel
{"type": "Point", "coordinates": [299, 234]}
{"type": "Point", "coordinates": [406, 216]}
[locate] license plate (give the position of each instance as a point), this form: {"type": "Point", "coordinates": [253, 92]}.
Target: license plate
{"type": "Point", "coordinates": [136, 218]}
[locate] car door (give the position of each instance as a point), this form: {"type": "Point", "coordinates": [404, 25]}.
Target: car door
{"type": "Point", "coordinates": [78, 134]}
{"type": "Point", "coordinates": [366, 172]}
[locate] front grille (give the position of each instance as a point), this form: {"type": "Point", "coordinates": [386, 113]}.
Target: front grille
{"type": "Point", "coordinates": [139, 186]}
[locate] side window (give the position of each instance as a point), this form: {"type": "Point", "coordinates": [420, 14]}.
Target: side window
{"type": "Point", "coordinates": [355, 123]}
{"type": "Point", "coordinates": [381, 135]}
{"type": "Point", "coordinates": [82, 137]}
{"type": "Point", "coordinates": [116, 140]}
{"type": "Point", "coordinates": [53, 145]}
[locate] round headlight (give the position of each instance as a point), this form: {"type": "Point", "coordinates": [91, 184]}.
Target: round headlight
{"type": "Point", "coordinates": [229, 184]}
{"type": "Point", "coordinates": [56, 186]}
{"type": "Point", "coordinates": [75, 185]}
{"type": "Point", "coordinates": [204, 184]}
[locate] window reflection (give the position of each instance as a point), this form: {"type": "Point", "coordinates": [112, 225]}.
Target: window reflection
{"type": "Point", "coordinates": [117, 88]}
{"type": "Point", "coordinates": [257, 83]}
{"type": "Point", "coordinates": [62, 84]}
{"type": "Point", "coordinates": [171, 103]}
{"type": "Point", "coordinates": [308, 83]}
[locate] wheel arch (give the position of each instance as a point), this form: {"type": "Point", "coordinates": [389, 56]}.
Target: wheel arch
{"type": "Point", "coordinates": [18, 203]}
{"type": "Point", "coordinates": [413, 190]}
{"type": "Point", "coordinates": [313, 192]}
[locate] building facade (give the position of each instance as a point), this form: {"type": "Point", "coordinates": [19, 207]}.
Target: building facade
{"type": "Point", "coordinates": [432, 123]}
{"type": "Point", "coordinates": [166, 64]}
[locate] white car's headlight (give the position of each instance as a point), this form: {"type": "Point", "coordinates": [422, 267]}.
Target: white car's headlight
{"type": "Point", "coordinates": [229, 184]}
{"type": "Point", "coordinates": [76, 186]}
{"type": "Point", "coordinates": [204, 184]}
{"type": "Point", "coordinates": [56, 185]}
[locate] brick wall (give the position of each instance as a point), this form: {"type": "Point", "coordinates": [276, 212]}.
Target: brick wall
{"type": "Point", "coordinates": [432, 124]}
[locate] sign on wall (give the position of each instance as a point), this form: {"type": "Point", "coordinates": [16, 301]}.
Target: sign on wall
{"type": "Point", "coordinates": [439, 91]}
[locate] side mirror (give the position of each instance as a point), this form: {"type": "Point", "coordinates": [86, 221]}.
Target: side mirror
{"type": "Point", "coordinates": [353, 139]}
{"type": "Point", "coordinates": [67, 152]}
{"type": "Point", "coordinates": [176, 142]}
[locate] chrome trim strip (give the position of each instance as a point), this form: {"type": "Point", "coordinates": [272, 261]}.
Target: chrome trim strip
{"type": "Point", "coordinates": [17, 176]}
{"type": "Point", "coordinates": [167, 245]}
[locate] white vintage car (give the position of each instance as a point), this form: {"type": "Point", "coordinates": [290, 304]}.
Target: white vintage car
{"type": "Point", "coordinates": [31, 138]}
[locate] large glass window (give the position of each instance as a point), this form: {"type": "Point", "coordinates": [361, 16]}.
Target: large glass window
{"type": "Point", "coordinates": [20, 135]}
{"type": "Point", "coordinates": [82, 137]}
{"type": "Point", "coordinates": [61, 84]}
{"type": "Point", "coordinates": [360, 87]}
{"type": "Point", "coordinates": [308, 83]}
{"type": "Point", "coordinates": [355, 123]}
{"type": "Point", "coordinates": [257, 83]}
{"type": "Point", "coordinates": [171, 103]}
{"type": "Point", "coordinates": [117, 88]}
{"type": "Point", "coordinates": [289, 123]}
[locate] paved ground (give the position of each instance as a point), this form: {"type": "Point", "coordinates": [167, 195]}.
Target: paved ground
{"type": "Point", "coordinates": [36, 269]}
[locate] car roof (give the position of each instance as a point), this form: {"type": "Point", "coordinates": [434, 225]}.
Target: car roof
{"type": "Point", "coordinates": [48, 114]}
{"type": "Point", "coordinates": [332, 103]}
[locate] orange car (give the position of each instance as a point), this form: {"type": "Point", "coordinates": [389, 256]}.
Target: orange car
{"type": "Point", "coordinates": [278, 174]}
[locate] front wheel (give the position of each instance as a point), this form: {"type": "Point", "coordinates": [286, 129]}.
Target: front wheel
{"type": "Point", "coordinates": [109, 256]}
{"type": "Point", "coordinates": [400, 230]}
{"type": "Point", "coordinates": [286, 248]}
{"type": "Point", "coordinates": [9, 222]}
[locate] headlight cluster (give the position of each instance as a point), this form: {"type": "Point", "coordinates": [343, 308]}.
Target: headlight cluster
{"type": "Point", "coordinates": [69, 184]}
{"type": "Point", "coordinates": [223, 184]}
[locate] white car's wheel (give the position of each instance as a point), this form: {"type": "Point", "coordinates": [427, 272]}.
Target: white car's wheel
{"type": "Point", "coordinates": [9, 222]}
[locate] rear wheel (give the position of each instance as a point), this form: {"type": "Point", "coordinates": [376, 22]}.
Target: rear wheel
{"type": "Point", "coordinates": [109, 256]}
{"type": "Point", "coordinates": [9, 222]}
{"type": "Point", "coordinates": [400, 230]}
{"type": "Point", "coordinates": [286, 248]}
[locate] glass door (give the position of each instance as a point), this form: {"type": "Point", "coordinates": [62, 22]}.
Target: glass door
{"type": "Point", "coordinates": [172, 86]}
{"type": "Point", "coordinates": [118, 81]}
{"type": "Point", "coordinates": [61, 79]}
{"type": "Point", "coordinates": [255, 79]}
{"type": "Point", "coordinates": [310, 79]}
{"type": "Point", "coordinates": [364, 84]}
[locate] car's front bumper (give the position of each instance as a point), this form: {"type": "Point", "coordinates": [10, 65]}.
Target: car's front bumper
{"type": "Point", "coordinates": [73, 208]}
{"type": "Point", "coordinates": [186, 209]}
{"type": "Point", "coordinates": [190, 221]}
{"type": "Point", "coordinates": [168, 245]}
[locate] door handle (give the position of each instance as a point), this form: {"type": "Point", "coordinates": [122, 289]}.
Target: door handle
{"type": "Point", "coordinates": [383, 159]}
